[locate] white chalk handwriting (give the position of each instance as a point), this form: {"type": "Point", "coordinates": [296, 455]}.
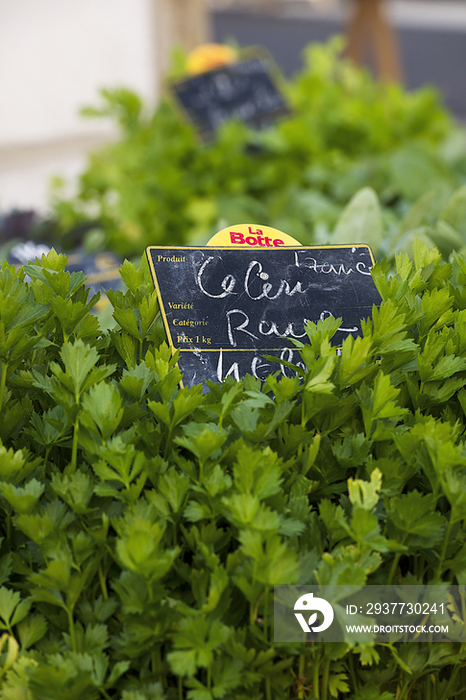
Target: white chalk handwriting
{"type": "Point", "coordinates": [257, 283]}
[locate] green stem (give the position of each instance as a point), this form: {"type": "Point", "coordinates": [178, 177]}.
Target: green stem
{"type": "Point", "coordinates": [403, 691]}
{"type": "Point", "coordinates": [394, 567]}
{"type": "Point", "coordinates": [74, 451]}
{"type": "Point", "coordinates": [46, 461]}
{"type": "Point", "coordinates": [301, 675]}
{"type": "Point", "coordinates": [420, 567]}
{"type": "Point", "coordinates": [444, 548]}
{"type": "Point", "coordinates": [427, 688]}
{"type": "Point", "coordinates": [209, 678]}
{"type": "Point", "coordinates": [325, 677]}
{"type": "Point", "coordinates": [3, 383]}
{"type": "Point", "coordinates": [103, 583]}
{"type": "Point", "coordinates": [161, 666]}
{"type": "Point", "coordinates": [266, 615]}
{"type": "Point", "coordinates": [448, 689]}
{"type": "Point", "coordinates": [268, 685]}
{"type": "Point", "coordinates": [105, 694]}
{"type": "Point", "coordinates": [71, 628]}
{"type": "Point", "coordinates": [352, 672]}
{"type": "Point", "coordinates": [167, 444]}
{"type": "Point", "coordinates": [415, 567]}
{"type": "Point", "coordinates": [8, 524]}
{"type": "Point", "coordinates": [315, 684]}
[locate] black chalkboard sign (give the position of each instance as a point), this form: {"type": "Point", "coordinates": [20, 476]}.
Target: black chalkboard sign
{"type": "Point", "coordinates": [225, 308]}
{"type": "Point", "coordinates": [244, 91]}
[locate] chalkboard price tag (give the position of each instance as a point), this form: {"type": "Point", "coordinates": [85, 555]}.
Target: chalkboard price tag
{"type": "Point", "coordinates": [225, 308]}
{"type": "Point", "coordinates": [245, 91]}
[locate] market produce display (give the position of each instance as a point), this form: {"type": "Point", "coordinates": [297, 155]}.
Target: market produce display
{"type": "Point", "coordinates": [144, 526]}
{"type": "Point", "coordinates": [160, 185]}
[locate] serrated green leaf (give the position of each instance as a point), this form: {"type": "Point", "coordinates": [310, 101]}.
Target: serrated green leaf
{"type": "Point", "coordinates": [414, 520]}
{"type": "Point", "coordinates": [31, 630]}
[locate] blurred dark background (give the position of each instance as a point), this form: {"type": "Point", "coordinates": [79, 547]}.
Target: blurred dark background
{"type": "Point", "coordinates": [431, 36]}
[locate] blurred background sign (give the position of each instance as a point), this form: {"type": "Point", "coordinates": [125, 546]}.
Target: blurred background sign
{"type": "Point", "coordinates": [245, 90]}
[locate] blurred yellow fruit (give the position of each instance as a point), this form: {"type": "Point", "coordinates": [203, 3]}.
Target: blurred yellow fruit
{"type": "Point", "coordinates": [209, 56]}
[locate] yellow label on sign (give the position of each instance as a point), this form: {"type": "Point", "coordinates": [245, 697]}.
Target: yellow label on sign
{"type": "Point", "coordinates": [208, 57]}
{"type": "Point", "coordinates": [252, 236]}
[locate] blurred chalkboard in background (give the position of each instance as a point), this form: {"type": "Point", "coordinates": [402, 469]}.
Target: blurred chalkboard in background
{"type": "Point", "coordinates": [245, 91]}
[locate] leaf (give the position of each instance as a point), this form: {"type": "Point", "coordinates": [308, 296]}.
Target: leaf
{"type": "Point", "coordinates": [338, 684]}
{"type": "Point", "coordinates": [371, 691]}
{"type": "Point", "coordinates": [416, 171]}
{"type": "Point", "coordinates": [203, 440]}
{"type": "Point", "coordinates": [379, 404]}
{"type": "Point", "coordinates": [31, 630]}
{"type": "Point", "coordinates": [11, 651]}
{"type": "Point", "coordinates": [363, 494]}
{"type": "Point", "coordinates": [23, 500]}
{"type": "Point", "coordinates": [102, 410]}
{"type": "Point", "coordinates": [417, 214]}
{"type": "Point", "coordinates": [196, 640]}
{"type": "Point", "coordinates": [413, 520]}
{"type": "Point", "coordinates": [245, 417]}
{"type": "Point", "coordinates": [127, 320]}
{"type": "Point", "coordinates": [123, 462]}
{"type": "Point", "coordinates": [355, 360]}
{"type": "Point", "coordinates": [453, 486]}
{"type": "Point", "coordinates": [29, 314]}
{"type": "Point", "coordinates": [56, 575]}
{"type": "Point", "coordinates": [274, 564]}
{"type": "Point", "coordinates": [62, 283]}
{"type": "Point", "coordinates": [12, 608]}
{"type": "Point", "coordinates": [138, 551]}
{"type": "Point", "coordinates": [137, 380]}
{"type": "Point", "coordinates": [161, 412]}
{"type": "Point", "coordinates": [76, 490]}
{"type": "Point", "coordinates": [132, 276]}
{"type": "Point", "coordinates": [364, 528]}
{"type": "Point", "coordinates": [5, 567]}
{"type": "Point", "coordinates": [318, 383]}
{"type": "Point", "coordinates": [79, 359]}
{"type": "Point", "coordinates": [454, 212]}
{"type": "Point", "coordinates": [360, 221]}
{"type": "Point", "coordinates": [14, 466]}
